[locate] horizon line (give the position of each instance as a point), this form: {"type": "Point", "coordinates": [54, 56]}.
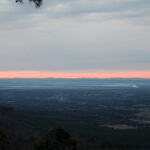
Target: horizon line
{"type": "Point", "coordinates": [78, 78]}
{"type": "Point", "coordinates": [99, 74]}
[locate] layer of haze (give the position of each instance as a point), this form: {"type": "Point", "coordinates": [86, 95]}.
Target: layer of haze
{"type": "Point", "coordinates": [75, 35]}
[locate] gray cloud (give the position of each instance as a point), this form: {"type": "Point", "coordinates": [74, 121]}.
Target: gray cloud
{"type": "Point", "coordinates": [75, 34]}
{"type": "Point", "coordinates": [65, 8]}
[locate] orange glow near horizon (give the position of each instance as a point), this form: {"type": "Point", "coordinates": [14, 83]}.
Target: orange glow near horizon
{"type": "Point", "coordinates": [76, 74]}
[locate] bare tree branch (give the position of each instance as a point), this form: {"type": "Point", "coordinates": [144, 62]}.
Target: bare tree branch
{"type": "Point", "coordinates": [36, 2]}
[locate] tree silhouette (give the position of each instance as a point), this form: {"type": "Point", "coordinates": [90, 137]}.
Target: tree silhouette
{"type": "Point", "coordinates": [36, 2]}
{"type": "Point", "coordinates": [57, 139]}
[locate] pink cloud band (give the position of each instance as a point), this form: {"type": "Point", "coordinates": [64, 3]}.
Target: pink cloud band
{"type": "Point", "coordinates": [76, 74]}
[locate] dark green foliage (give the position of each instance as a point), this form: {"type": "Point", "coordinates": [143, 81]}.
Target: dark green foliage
{"type": "Point", "coordinates": [4, 108]}
{"type": "Point", "coordinates": [57, 139]}
{"type": "Point", "coordinates": [4, 142]}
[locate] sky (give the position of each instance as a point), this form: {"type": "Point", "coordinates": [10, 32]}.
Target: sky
{"type": "Point", "coordinates": [75, 38]}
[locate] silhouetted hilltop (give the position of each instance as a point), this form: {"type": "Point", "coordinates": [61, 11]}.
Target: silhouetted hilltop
{"type": "Point", "coordinates": [56, 139]}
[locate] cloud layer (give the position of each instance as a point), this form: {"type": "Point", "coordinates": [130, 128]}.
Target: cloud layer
{"type": "Point", "coordinates": [75, 35]}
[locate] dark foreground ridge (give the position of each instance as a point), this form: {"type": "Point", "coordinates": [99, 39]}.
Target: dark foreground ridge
{"type": "Point", "coordinates": [55, 139]}
{"type": "Point", "coordinates": [18, 132]}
